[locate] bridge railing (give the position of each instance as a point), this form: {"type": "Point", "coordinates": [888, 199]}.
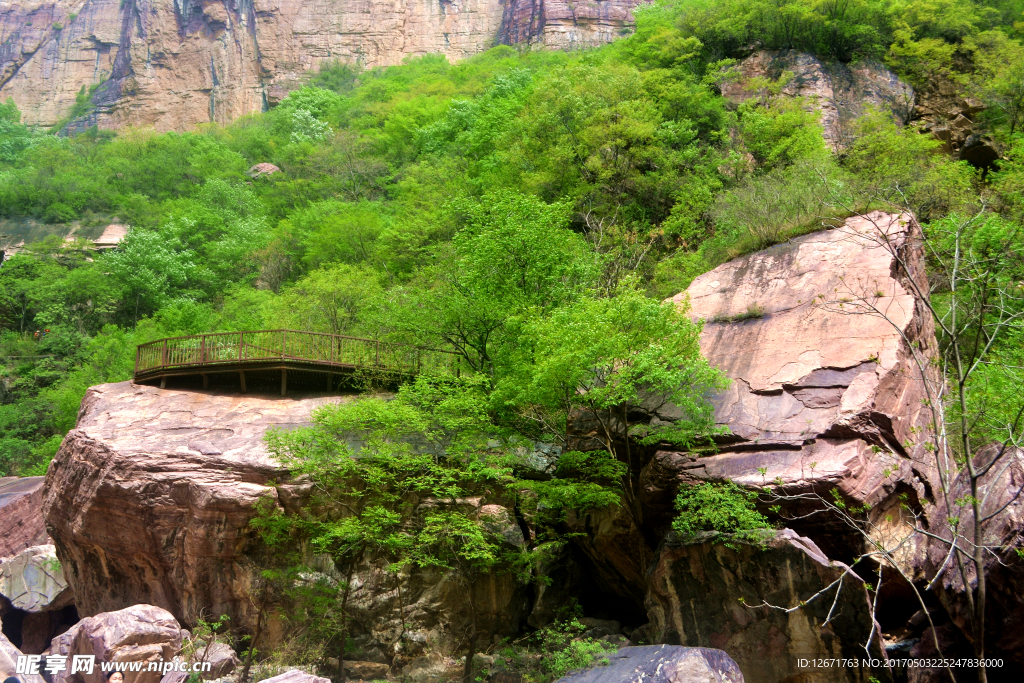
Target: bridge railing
{"type": "Point", "coordinates": [224, 348]}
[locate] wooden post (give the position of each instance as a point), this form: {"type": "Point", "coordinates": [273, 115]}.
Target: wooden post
{"type": "Point", "coordinates": [241, 377]}
{"type": "Point", "coordinates": [206, 381]}
{"type": "Point", "coordinates": [284, 380]}
{"type": "Point", "coordinates": [163, 382]}
{"type": "Point", "coordinates": [284, 343]}
{"type": "Point", "coordinates": [163, 357]}
{"type": "Point", "coordinates": [240, 352]}
{"type": "Point", "coordinates": [202, 356]}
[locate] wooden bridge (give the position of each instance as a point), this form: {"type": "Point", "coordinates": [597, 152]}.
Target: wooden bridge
{"type": "Point", "coordinates": [264, 358]}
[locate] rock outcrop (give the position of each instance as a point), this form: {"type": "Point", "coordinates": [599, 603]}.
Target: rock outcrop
{"type": "Point", "coordinates": [662, 664]}
{"type": "Point", "coordinates": [21, 514]}
{"type": "Point", "coordinates": [1003, 532]}
{"type": "Point", "coordinates": [172, 64]}
{"type": "Point", "coordinates": [140, 633]}
{"type": "Point", "coordinates": [704, 593]}
{"type": "Point", "coordinates": [840, 92]}
{"type": "Point", "coordinates": [149, 501]}
{"type": "Point", "coordinates": [818, 336]}
{"type": "Point", "coordinates": [149, 498]}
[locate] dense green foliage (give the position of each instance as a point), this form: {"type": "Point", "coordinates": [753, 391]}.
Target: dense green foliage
{"type": "Point", "coordinates": [526, 209]}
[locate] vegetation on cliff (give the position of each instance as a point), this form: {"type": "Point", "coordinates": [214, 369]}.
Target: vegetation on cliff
{"type": "Point", "coordinates": [528, 210]}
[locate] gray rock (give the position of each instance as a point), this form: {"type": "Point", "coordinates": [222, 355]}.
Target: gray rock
{"type": "Point", "coordinates": [662, 664]}
{"type": "Point", "coordinates": [33, 580]}
{"type": "Point", "coordinates": [296, 676]}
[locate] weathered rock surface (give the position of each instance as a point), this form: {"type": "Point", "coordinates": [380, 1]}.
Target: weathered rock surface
{"type": "Point", "coordinates": [662, 664]}
{"type": "Point", "coordinates": [815, 335]}
{"type": "Point", "coordinates": [296, 676]}
{"type": "Point", "coordinates": [840, 92]}
{"type": "Point", "coordinates": [172, 64]}
{"type": "Point", "coordinates": [706, 594]}
{"type": "Point", "coordinates": [149, 501]}
{"type": "Point", "coordinates": [21, 514]}
{"type": "Point", "coordinates": [33, 580]}
{"type": "Point", "coordinates": [9, 662]}
{"type": "Point", "coordinates": [140, 515]}
{"type": "Point", "coordinates": [1000, 491]}
{"type": "Point", "coordinates": [140, 633]}
{"type": "Point", "coordinates": [221, 658]}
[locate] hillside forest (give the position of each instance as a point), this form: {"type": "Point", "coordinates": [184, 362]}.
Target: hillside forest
{"type": "Point", "coordinates": [531, 211]}
{"type": "Point", "coordinates": [405, 194]}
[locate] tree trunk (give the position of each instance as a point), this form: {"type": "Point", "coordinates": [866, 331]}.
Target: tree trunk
{"type": "Point", "coordinates": [252, 646]}
{"type": "Point", "coordinates": [467, 672]}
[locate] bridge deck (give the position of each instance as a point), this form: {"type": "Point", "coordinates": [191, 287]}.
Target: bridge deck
{"type": "Point", "coordinates": [268, 351]}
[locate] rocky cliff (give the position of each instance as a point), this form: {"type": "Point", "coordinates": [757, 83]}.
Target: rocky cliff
{"type": "Point", "coordinates": [172, 64]}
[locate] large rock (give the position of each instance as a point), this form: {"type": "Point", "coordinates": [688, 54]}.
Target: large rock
{"type": "Point", "coordinates": [818, 336]}
{"type": "Point", "coordinates": [172, 64]}
{"type": "Point", "coordinates": [138, 512]}
{"type": "Point", "coordinates": [704, 593]}
{"type": "Point", "coordinates": [140, 633]}
{"type": "Point", "coordinates": [149, 501]}
{"type": "Point", "coordinates": [21, 514]}
{"type": "Point", "coordinates": [33, 580]}
{"type": "Point", "coordinates": [840, 92]}
{"type": "Point", "coordinates": [9, 663]}
{"type": "Point", "coordinates": [662, 664]}
{"type": "Point", "coordinates": [1003, 532]}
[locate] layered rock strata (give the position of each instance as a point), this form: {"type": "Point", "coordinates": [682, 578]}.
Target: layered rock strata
{"type": "Point", "coordinates": [172, 64]}
{"type": "Point", "coordinates": [827, 342]}
{"type": "Point", "coordinates": [21, 519]}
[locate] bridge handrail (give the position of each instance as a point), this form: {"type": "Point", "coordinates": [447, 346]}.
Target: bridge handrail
{"type": "Point", "coordinates": [292, 345]}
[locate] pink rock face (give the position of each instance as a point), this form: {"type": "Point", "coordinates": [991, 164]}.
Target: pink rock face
{"type": "Point", "coordinates": [150, 497]}
{"type": "Point", "coordinates": [140, 633]}
{"type": "Point", "coordinates": [172, 64]}
{"type": "Point", "coordinates": [21, 514]}
{"type": "Point", "coordinates": [814, 335]}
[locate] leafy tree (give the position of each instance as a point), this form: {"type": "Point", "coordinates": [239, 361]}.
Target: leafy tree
{"type": "Point", "coordinates": [148, 269]}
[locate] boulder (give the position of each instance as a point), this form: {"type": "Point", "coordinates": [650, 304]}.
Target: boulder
{"type": "Point", "coordinates": [33, 580]}
{"type": "Point", "coordinates": [838, 91]}
{"type": "Point", "coordinates": [9, 663]}
{"type": "Point", "coordinates": [149, 501]}
{"type": "Point", "coordinates": [21, 514]}
{"type": "Point", "coordinates": [296, 676]}
{"type": "Point", "coordinates": [712, 592]}
{"type": "Point", "coordinates": [221, 658]}
{"type": "Point", "coordinates": [818, 337]}
{"type": "Point", "coordinates": [140, 633]}
{"type": "Point", "coordinates": [140, 515]}
{"type": "Point", "coordinates": [261, 170]}
{"type": "Point", "coordinates": [1003, 532]}
{"type": "Point", "coordinates": [662, 664]}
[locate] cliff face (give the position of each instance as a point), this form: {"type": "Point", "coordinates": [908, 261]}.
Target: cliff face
{"type": "Point", "coordinates": [172, 64]}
